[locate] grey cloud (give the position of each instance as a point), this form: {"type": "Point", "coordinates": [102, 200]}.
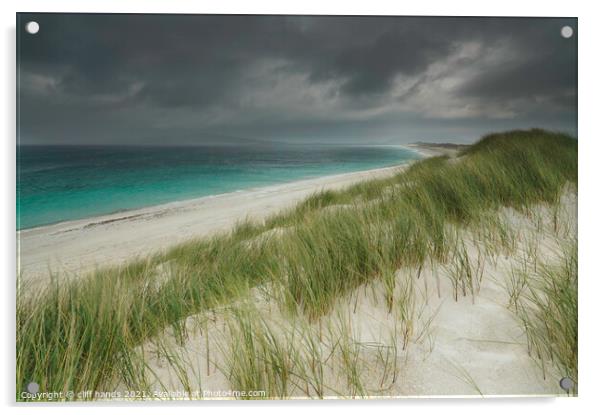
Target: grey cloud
{"type": "Point", "coordinates": [120, 77]}
{"type": "Point", "coordinates": [545, 66]}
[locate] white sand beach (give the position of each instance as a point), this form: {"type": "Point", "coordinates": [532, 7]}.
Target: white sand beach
{"type": "Point", "coordinates": [76, 247]}
{"type": "Point", "coordinates": [454, 344]}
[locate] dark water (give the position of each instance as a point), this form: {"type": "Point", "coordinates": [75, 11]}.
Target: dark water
{"type": "Point", "coordinates": [58, 183]}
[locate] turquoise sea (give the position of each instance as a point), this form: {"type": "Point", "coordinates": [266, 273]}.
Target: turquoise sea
{"type": "Point", "coordinates": [58, 183]}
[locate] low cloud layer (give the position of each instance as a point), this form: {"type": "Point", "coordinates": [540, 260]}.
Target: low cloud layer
{"type": "Point", "coordinates": [179, 79]}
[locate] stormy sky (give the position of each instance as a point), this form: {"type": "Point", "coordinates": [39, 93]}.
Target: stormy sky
{"type": "Point", "coordinates": [186, 79]}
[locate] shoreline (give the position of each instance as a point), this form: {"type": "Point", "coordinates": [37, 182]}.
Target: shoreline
{"type": "Point", "coordinates": [422, 152]}
{"type": "Point", "coordinates": [434, 150]}
{"type": "Point", "coordinates": [135, 212]}
{"type": "Point", "coordinates": [81, 245]}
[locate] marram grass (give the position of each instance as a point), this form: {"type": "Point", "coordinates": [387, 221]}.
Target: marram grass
{"type": "Point", "coordinates": [80, 333]}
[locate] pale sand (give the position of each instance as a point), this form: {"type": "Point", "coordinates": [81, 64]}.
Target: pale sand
{"type": "Point", "coordinates": [76, 247]}
{"type": "Point", "coordinates": [462, 348]}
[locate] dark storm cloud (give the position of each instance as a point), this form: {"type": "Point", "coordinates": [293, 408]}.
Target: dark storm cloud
{"type": "Point", "coordinates": [545, 65]}
{"type": "Point", "coordinates": [370, 52]}
{"type": "Point", "coordinates": [189, 79]}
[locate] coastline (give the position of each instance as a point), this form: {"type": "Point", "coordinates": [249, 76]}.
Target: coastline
{"type": "Point", "coordinates": [434, 150]}
{"type": "Point", "coordinates": [79, 246]}
{"type": "Point", "coordinates": [456, 326]}
{"type": "Point", "coordinates": [149, 178]}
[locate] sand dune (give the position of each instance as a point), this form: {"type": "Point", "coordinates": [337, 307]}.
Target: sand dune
{"type": "Point", "coordinates": [471, 346]}
{"type": "Point", "coordinates": [465, 320]}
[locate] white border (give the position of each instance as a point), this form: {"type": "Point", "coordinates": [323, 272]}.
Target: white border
{"type": "Point", "coordinates": [590, 158]}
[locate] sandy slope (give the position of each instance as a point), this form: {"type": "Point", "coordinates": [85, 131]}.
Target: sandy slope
{"type": "Point", "coordinates": [77, 246]}
{"type": "Point", "coordinates": [464, 347]}
{"type": "Point", "coordinates": [472, 346]}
